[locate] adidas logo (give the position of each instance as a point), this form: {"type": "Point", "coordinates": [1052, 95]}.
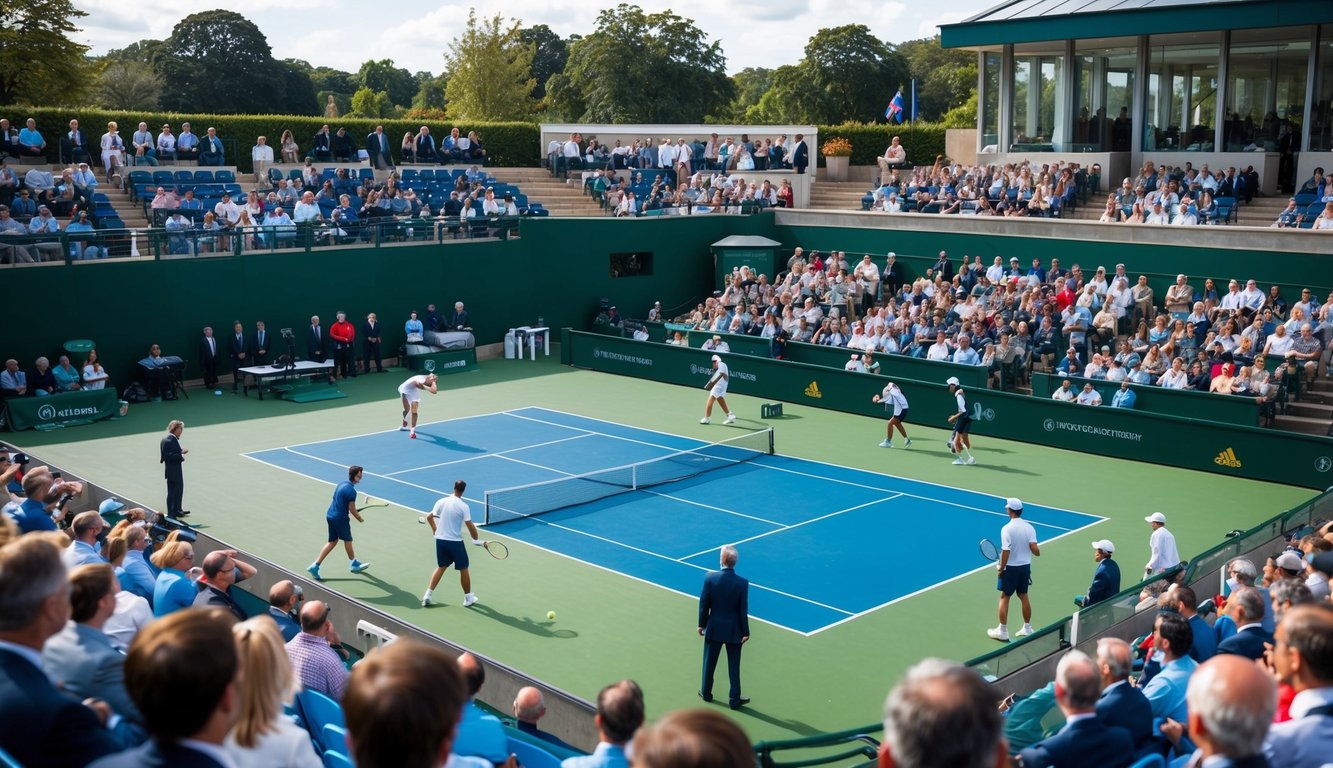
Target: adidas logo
{"type": "Point", "coordinates": [1227, 458]}
{"type": "Point", "coordinates": [813, 390]}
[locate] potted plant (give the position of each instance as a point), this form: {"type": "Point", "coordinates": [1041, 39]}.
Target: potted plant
{"type": "Point", "coordinates": [837, 153]}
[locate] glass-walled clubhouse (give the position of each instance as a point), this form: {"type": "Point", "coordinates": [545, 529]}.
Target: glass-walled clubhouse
{"type": "Point", "coordinates": [1170, 81]}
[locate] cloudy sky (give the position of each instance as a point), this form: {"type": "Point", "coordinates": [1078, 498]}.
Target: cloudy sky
{"type": "Point", "coordinates": [415, 33]}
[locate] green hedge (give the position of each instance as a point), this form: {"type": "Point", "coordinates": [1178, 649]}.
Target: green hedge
{"type": "Point", "coordinates": [923, 140]}
{"type": "Point", "coordinates": [509, 144]}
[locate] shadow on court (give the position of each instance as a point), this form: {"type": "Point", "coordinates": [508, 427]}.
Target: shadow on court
{"type": "Point", "coordinates": [527, 624]}
{"type": "Point", "coordinates": [1007, 469]}
{"type": "Point", "coordinates": [795, 726]}
{"type": "Point", "coordinates": [393, 595]}
{"type": "Point", "coordinates": [452, 445]}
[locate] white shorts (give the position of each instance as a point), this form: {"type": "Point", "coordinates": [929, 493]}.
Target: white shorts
{"type": "Point", "coordinates": [719, 389]}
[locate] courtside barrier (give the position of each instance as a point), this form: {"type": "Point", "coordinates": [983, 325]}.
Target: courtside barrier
{"type": "Point", "coordinates": [1205, 406]}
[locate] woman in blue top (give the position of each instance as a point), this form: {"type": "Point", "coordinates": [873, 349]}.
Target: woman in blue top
{"type": "Point", "coordinates": [173, 589]}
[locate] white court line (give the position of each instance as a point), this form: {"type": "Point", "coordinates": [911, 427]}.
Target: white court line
{"type": "Point", "coordinates": [381, 431]}
{"type": "Point", "coordinates": [701, 443]}
{"type": "Point", "coordinates": [798, 525]}
{"type": "Point", "coordinates": [484, 455]}
{"type": "Point", "coordinates": [382, 477]}
{"type": "Point", "coordinates": [707, 506]}
{"type": "Point", "coordinates": [538, 466]}
{"type": "Point", "coordinates": [689, 565]}
{"type": "Point", "coordinates": [930, 587]}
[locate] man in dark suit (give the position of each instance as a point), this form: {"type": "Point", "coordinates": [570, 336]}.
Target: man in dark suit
{"type": "Point", "coordinates": [800, 154]}
{"type": "Point", "coordinates": [1245, 606]}
{"type": "Point", "coordinates": [316, 342]}
{"type": "Point", "coordinates": [459, 320]}
{"type": "Point", "coordinates": [1231, 706]}
{"type": "Point", "coordinates": [210, 352]}
{"type": "Point", "coordinates": [372, 334]}
{"type": "Point", "coordinates": [182, 672]}
{"type": "Point", "coordinates": [260, 355]}
{"type": "Point", "coordinates": [221, 569]}
{"type": "Point", "coordinates": [724, 620]}
{"type": "Point", "coordinates": [39, 725]}
{"type": "Point", "coordinates": [1084, 740]}
{"type": "Point", "coordinates": [283, 599]}
{"type": "Point", "coordinates": [377, 146]}
{"type": "Point", "coordinates": [1106, 580]}
{"type": "Point", "coordinates": [238, 348]}
{"type": "Point", "coordinates": [321, 146]}
{"type": "Point", "coordinates": [1122, 705]}
{"type": "Point", "coordinates": [173, 455]}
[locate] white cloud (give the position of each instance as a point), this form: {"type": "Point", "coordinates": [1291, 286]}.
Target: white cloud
{"type": "Point", "coordinates": [416, 33]}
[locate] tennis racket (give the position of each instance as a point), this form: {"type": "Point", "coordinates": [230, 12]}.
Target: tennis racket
{"type": "Point", "coordinates": [989, 550]}
{"type": "Point", "coordinates": [371, 504]}
{"type": "Point", "coordinates": [496, 549]}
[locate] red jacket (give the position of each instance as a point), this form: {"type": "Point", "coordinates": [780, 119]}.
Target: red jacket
{"type": "Point", "coordinates": [343, 332]}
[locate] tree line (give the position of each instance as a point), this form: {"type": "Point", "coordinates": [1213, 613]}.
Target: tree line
{"type": "Point", "coordinates": [634, 66]}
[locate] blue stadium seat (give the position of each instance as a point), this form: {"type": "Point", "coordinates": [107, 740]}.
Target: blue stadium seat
{"type": "Point", "coordinates": [203, 177]}
{"type": "Point", "coordinates": [366, 173]}
{"type": "Point", "coordinates": [1312, 213]}
{"type": "Point", "coordinates": [163, 177]}
{"type": "Point", "coordinates": [1226, 209]}
{"type": "Point", "coordinates": [225, 177]}
{"type": "Point", "coordinates": [274, 176]}
{"type": "Point", "coordinates": [141, 177]}
{"type": "Point", "coordinates": [337, 760]}
{"type": "Point", "coordinates": [1150, 761]}
{"type": "Point", "coordinates": [409, 174]}
{"type": "Point", "coordinates": [183, 177]}
{"type": "Point", "coordinates": [531, 755]}
{"type": "Point", "coordinates": [427, 173]}
{"type": "Point", "coordinates": [319, 710]}
{"type": "Point", "coordinates": [1305, 198]}
{"type": "Point", "coordinates": [334, 738]}
{"type": "Point", "coordinates": [7, 760]}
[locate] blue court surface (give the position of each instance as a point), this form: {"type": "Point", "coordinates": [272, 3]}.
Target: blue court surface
{"type": "Point", "coordinates": [821, 544]}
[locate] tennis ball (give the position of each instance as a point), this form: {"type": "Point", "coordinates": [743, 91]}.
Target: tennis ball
{"type": "Point", "coordinates": [550, 614]}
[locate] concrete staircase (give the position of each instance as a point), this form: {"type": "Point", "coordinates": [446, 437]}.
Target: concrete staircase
{"type": "Point", "coordinates": [837, 195]}
{"type": "Point", "coordinates": [1313, 412]}
{"type": "Point", "coordinates": [555, 195]}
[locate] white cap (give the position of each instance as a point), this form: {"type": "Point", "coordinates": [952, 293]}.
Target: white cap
{"type": "Point", "coordinates": [1104, 545]}
{"type": "Point", "coordinates": [1156, 517]}
{"type": "Point", "coordinates": [717, 358]}
{"type": "Point", "coordinates": [893, 255]}
{"type": "Point", "coordinates": [1014, 503]}
{"type": "Point", "coordinates": [952, 380]}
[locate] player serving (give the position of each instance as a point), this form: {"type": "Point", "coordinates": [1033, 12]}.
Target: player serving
{"type": "Point", "coordinates": [896, 402]}
{"type": "Point", "coordinates": [960, 442]}
{"type": "Point", "coordinates": [717, 390]}
{"type": "Point", "coordinates": [411, 392]}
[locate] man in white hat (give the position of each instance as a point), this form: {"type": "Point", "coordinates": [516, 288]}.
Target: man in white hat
{"type": "Point", "coordinates": [1106, 580]}
{"type": "Point", "coordinates": [1018, 545]}
{"type": "Point", "coordinates": [960, 442]}
{"type": "Point", "coordinates": [1163, 545]}
{"type": "Point", "coordinates": [717, 390]}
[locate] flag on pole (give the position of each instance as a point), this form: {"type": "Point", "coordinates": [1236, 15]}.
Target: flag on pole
{"type": "Point", "coordinates": [913, 118]}
{"type": "Point", "coordinates": [894, 111]}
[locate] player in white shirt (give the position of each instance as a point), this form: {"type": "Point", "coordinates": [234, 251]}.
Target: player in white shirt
{"type": "Point", "coordinates": [447, 519]}
{"type": "Point", "coordinates": [893, 399]}
{"type": "Point", "coordinates": [717, 390]}
{"type": "Point", "coordinates": [960, 442]}
{"type": "Point", "coordinates": [411, 393]}
{"type": "Point", "coordinates": [1018, 545]}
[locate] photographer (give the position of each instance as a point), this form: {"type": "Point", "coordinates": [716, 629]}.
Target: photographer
{"type": "Point", "coordinates": [48, 497]}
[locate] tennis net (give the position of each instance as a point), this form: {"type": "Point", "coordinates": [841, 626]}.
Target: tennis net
{"type": "Point", "coordinates": [523, 501]}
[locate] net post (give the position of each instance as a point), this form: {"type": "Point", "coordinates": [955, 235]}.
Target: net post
{"type": "Point", "coordinates": [634, 477]}
{"type": "Point", "coordinates": [486, 509]}
{"type": "Point", "coordinates": [771, 449]}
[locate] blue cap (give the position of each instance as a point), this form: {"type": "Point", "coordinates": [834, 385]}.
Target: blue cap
{"type": "Point", "coordinates": [110, 506]}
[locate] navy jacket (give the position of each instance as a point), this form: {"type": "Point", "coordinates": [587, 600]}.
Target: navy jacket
{"type": "Point", "coordinates": [172, 457]}
{"type": "Point", "coordinates": [1105, 582]}
{"type": "Point", "coordinates": [151, 755]}
{"type": "Point", "coordinates": [1248, 643]}
{"type": "Point", "coordinates": [1087, 743]}
{"type": "Point", "coordinates": [1125, 706]}
{"type": "Point", "coordinates": [724, 613]}
{"type": "Point", "coordinates": [40, 726]}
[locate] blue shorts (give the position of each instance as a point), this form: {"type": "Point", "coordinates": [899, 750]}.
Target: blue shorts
{"type": "Point", "coordinates": [451, 553]}
{"type": "Point", "coordinates": [340, 528]}
{"type": "Point", "coordinates": [902, 417]}
{"type": "Point", "coordinates": [962, 425]}
{"type": "Point", "coordinates": [1015, 578]}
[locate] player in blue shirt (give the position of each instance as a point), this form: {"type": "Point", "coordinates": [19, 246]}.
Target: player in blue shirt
{"type": "Point", "coordinates": [341, 510]}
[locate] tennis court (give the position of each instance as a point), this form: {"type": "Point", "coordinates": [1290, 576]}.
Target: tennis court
{"type": "Point", "coordinates": [821, 544]}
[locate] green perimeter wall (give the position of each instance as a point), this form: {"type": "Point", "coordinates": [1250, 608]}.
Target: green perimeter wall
{"type": "Point", "coordinates": [1281, 457]}
{"type": "Point", "coordinates": [557, 270]}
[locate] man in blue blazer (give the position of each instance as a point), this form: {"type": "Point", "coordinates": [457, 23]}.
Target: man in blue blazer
{"type": "Point", "coordinates": [377, 147]}
{"type": "Point", "coordinates": [1245, 606]}
{"type": "Point", "coordinates": [800, 154]}
{"type": "Point", "coordinates": [1303, 658]}
{"type": "Point", "coordinates": [1084, 741]}
{"type": "Point", "coordinates": [1122, 705]}
{"type": "Point", "coordinates": [724, 620]}
{"type": "Point", "coordinates": [39, 724]}
{"type": "Point", "coordinates": [1106, 580]}
{"type": "Point", "coordinates": [181, 670]}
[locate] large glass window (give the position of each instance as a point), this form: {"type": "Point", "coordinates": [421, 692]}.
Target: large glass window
{"type": "Point", "coordinates": [1321, 116]}
{"type": "Point", "coordinates": [1103, 87]}
{"type": "Point", "coordinates": [990, 107]}
{"type": "Point", "coordinates": [1039, 121]}
{"type": "Point", "coordinates": [1182, 93]}
{"type": "Point", "coordinates": [1266, 77]}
